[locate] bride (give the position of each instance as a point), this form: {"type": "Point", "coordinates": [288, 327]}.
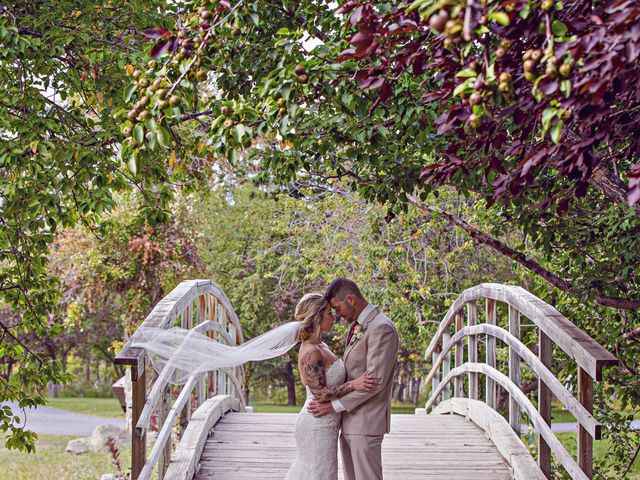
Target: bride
{"type": "Point", "coordinates": [323, 375]}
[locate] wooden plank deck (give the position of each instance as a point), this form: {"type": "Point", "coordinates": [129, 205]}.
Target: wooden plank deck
{"type": "Point", "coordinates": [262, 445]}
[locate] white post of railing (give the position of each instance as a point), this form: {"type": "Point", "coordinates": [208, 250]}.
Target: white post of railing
{"type": "Point", "coordinates": [213, 315]}
{"type": "Point", "coordinates": [458, 390]}
{"type": "Point", "coordinates": [222, 390]}
{"type": "Point", "coordinates": [544, 403]}
{"type": "Point", "coordinates": [446, 365]}
{"type": "Point", "coordinates": [201, 388]}
{"type": "Point", "coordinates": [435, 381]}
{"type": "Point", "coordinates": [185, 414]}
{"type": "Point", "coordinates": [514, 369]}
{"type": "Point", "coordinates": [472, 349]}
{"type": "Point", "coordinates": [163, 411]}
{"type": "Point", "coordinates": [490, 354]}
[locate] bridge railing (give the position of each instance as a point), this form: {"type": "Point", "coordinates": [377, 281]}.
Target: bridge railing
{"type": "Point", "coordinates": [198, 305]}
{"type": "Point", "coordinates": [552, 327]}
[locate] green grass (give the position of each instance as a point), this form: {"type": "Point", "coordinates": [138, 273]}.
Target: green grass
{"type": "Point", "coordinates": [51, 462]}
{"type": "Point", "coordinates": [560, 415]}
{"type": "Point", "coordinates": [600, 448]}
{"type": "Point", "coordinates": [100, 407]}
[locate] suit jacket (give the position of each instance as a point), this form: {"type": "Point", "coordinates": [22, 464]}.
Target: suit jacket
{"type": "Point", "coordinates": [376, 351]}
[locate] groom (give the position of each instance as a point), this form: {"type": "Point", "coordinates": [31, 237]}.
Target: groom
{"type": "Point", "coordinates": [371, 346]}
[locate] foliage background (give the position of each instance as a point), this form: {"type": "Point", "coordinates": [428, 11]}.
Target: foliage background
{"type": "Point", "coordinates": [382, 172]}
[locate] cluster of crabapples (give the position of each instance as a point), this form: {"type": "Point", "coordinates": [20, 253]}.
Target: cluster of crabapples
{"type": "Point", "coordinates": [153, 90]}
{"type": "Point", "coordinates": [301, 74]}
{"type": "Point", "coordinates": [483, 88]}
{"type": "Point", "coordinates": [151, 93]}
{"type": "Point", "coordinates": [452, 28]}
{"type": "Point", "coordinates": [552, 69]}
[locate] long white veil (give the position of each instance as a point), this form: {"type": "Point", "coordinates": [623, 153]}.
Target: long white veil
{"type": "Point", "coordinates": [189, 352]}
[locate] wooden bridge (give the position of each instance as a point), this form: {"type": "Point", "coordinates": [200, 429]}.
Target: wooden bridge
{"type": "Point", "coordinates": [462, 437]}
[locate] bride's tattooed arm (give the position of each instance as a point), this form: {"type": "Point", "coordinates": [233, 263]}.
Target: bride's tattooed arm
{"type": "Point", "coordinates": [313, 367]}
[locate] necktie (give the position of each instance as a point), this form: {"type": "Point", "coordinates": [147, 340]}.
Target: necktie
{"type": "Point", "coordinates": [350, 334]}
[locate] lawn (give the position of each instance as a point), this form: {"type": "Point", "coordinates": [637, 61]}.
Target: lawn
{"type": "Point", "coordinates": [51, 462]}
{"type": "Point", "coordinates": [100, 407]}
{"type": "Point", "coordinates": [600, 448]}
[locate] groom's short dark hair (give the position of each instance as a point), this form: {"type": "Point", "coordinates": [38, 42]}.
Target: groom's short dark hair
{"type": "Point", "coordinates": [341, 287]}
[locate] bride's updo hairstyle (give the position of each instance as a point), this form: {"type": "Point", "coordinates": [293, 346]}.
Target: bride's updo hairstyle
{"type": "Point", "coordinates": [309, 311]}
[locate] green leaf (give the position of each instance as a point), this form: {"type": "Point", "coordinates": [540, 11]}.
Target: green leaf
{"type": "Point", "coordinates": [558, 28]}
{"type": "Point", "coordinates": [555, 132]}
{"type": "Point", "coordinates": [138, 134]}
{"type": "Point", "coordinates": [128, 92]}
{"type": "Point", "coordinates": [151, 140]}
{"type": "Point", "coordinates": [164, 137]}
{"type": "Point", "coordinates": [565, 87]}
{"type": "Point", "coordinates": [465, 87]}
{"type": "Point", "coordinates": [501, 18]}
{"type": "Point", "coordinates": [467, 73]}
{"type": "Point", "coordinates": [132, 164]}
{"type": "Point", "coordinates": [547, 115]}
{"type": "Point", "coordinates": [151, 124]}
{"type": "Point", "coordinates": [285, 90]}
{"type": "Point", "coordinates": [238, 132]}
{"type": "Point", "coordinates": [416, 4]}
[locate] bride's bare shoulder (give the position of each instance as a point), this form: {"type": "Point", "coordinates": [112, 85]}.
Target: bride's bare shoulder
{"type": "Point", "coordinates": [309, 351]}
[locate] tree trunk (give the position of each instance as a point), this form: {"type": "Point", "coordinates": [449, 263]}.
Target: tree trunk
{"type": "Point", "coordinates": [416, 390]}
{"type": "Point", "coordinates": [87, 371]}
{"type": "Point", "coordinates": [291, 384]}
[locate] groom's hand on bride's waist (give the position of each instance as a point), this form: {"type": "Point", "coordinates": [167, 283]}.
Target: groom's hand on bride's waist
{"type": "Point", "coordinates": [318, 409]}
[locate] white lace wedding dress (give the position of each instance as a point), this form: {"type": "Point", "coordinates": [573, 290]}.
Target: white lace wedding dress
{"type": "Point", "coordinates": [317, 438]}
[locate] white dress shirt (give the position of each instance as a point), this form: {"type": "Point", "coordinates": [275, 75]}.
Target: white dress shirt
{"type": "Point", "coordinates": [337, 404]}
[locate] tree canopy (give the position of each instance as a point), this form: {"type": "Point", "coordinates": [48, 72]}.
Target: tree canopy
{"type": "Point", "coordinates": [530, 108]}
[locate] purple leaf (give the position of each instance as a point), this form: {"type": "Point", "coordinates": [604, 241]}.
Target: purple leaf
{"type": "Point", "coordinates": [356, 16]}
{"type": "Point", "coordinates": [385, 92]}
{"type": "Point", "coordinates": [547, 85]}
{"type": "Point", "coordinates": [347, 7]}
{"type": "Point", "coordinates": [155, 33]}
{"type": "Point", "coordinates": [160, 48]}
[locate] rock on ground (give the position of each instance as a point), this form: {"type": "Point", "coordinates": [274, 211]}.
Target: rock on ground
{"type": "Point", "coordinates": [78, 446]}
{"type": "Point", "coordinates": [99, 440]}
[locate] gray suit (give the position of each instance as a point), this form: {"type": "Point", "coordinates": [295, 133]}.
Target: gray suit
{"type": "Point", "coordinates": [368, 414]}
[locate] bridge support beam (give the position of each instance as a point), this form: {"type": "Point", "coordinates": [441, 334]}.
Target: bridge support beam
{"type": "Point", "coordinates": [138, 442]}
{"type": "Point", "coordinates": [585, 442]}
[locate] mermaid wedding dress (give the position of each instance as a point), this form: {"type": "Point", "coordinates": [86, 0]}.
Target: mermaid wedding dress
{"type": "Point", "coordinates": [317, 438]}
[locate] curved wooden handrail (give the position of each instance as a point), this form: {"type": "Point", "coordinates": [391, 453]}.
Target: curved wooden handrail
{"type": "Point", "coordinates": [588, 353]}
{"type": "Point", "coordinates": [199, 302]}
{"type": "Point", "coordinates": [552, 327]}
{"type": "Point", "coordinates": [564, 457]}
{"type": "Point", "coordinates": [170, 308]}
{"type": "Point", "coordinates": [568, 401]}
{"type": "Point", "coordinates": [165, 375]}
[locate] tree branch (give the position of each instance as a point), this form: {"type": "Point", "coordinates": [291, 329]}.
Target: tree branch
{"type": "Point", "coordinates": [520, 258]}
